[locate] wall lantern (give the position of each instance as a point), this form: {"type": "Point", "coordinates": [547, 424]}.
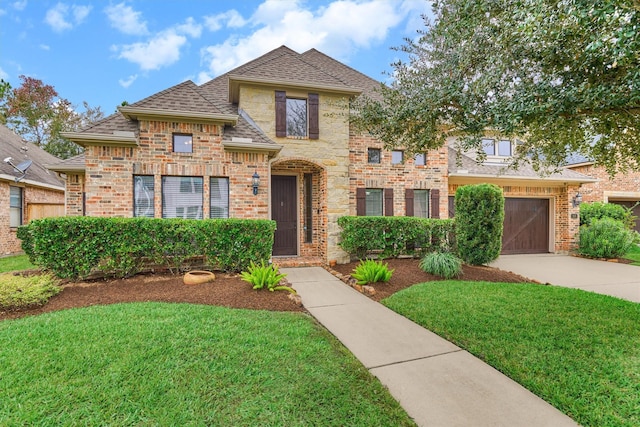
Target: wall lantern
{"type": "Point", "coordinates": [577, 200]}
{"type": "Point", "coordinates": [255, 182]}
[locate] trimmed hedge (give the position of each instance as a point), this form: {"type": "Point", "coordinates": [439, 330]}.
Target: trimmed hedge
{"type": "Point", "coordinates": [479, 222]}
{"type": "Point", "coordinates": [388, 236]}
{"type": "Point", "coordinates": [74, 247]}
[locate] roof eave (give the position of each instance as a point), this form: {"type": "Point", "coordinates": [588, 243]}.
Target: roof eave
{"type": "Point", "coordinates": [141, 113]}
{"type": "Point", "coordinates": [235, 81]}
{"type": "Point", "coordinates": [84, 139]}
{"type": "Point", "coordinates": [32, 183]}
{"type": "Point", "coordinates": [553, 181]}
{"type": "Point", "coordinates": [66, 169]}
{"type": "Point", "coordinates": [252, 147]}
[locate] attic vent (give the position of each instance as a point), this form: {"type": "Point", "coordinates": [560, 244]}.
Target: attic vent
{"type": "Point", "coordinates": [237, 139]}
{"type": "Point", "coordinates": [123, 133]}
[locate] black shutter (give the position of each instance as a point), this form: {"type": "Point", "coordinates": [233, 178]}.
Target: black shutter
{"type": "Point", "coordinates": [281, 114]}
{"type": "Point", "coordinates": [314, 124]}
{"type": "Point", "coordinates": [388, 202]}
{"type": "Point", "coordinates": [435, 203]}
{"type": "Point", "coordinates": [408, 202]}
{"type": "Point", "coordinates": [361, 201]}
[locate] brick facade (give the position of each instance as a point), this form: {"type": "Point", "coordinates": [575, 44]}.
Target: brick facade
{"type": "Point", "coordinates": [621, 187]}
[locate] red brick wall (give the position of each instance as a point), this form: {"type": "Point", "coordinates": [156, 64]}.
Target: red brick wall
{"type": "Point", "coordinates": [622, 185]}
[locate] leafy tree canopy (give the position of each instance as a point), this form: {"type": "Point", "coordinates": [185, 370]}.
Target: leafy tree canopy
{"type": "Point", "coordinates": [36, 113]}
{"type": "Point", "coordinates": [559, 76]}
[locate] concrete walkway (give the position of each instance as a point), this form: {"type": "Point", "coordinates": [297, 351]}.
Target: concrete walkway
{"type": "Point", "coordinates": [608, 278]}
{"type": "Point", "coordinates": [436, 382]}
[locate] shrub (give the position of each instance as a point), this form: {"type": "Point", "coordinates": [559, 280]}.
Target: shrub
{"type": "Point", "coordinates": [393, 236]}
{"type": "Point", "coordinates": [74, 247]}
{"type": "Point", "coordinates": [479, 222]}
{"type": "Point", "coordinates": [370, 271]}
{"type": "Point", "coordinates": [442, 264]}
{"type": "Point", "coordinates": [265, 275]}
{"type": "Point", "coordinates": [599, 210]}
{"type": "Point", "coordinates": [605, 238]}
{"type": "Point", "coordinates": [21, 292]}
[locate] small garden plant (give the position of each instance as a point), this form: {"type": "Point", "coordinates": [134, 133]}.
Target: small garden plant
{"type": "Point", "coordinates": [265, 275]}
{"type": "Point", "coordinates": [371, 271]}
{"type": "Point", "coordinates": [18, 292]}
{"type": "Point", "coordinates": [443, 264]}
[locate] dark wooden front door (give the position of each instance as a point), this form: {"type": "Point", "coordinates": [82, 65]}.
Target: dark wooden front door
{"type": "Point", "coordinates": [526, 226]}
{"type": "Point", "coordinates": [284, 213]}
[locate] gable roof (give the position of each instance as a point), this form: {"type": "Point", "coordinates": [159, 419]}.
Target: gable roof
{"type": "Point", "coordinates": [470, 169]}
{"type": "Point", "coordinates": [12, 145]}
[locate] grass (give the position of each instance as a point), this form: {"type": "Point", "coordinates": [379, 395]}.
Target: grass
{"type": "Point", "coordinates": [182, 364]}
{"type": "Point", "coordinates": [576, 350]}
{"type": "Point", "coordinates": [15, 263]}
{"type": "Point", "coordinates": [634, 255]}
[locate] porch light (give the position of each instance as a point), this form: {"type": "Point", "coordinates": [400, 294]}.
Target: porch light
{"type": "Point", "coordinates": [577, 200]}
{"type": "Point", "coordinates": [255, 182]}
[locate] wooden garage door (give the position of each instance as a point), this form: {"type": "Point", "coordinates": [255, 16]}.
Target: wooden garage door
{"type": "Point", "coordinates": [526, 226]}
{"type": "Point", "coordinates": [635, 209]}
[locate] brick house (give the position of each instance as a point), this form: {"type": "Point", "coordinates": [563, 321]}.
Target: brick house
{"type": "Point", "coordinates": [623, 189]}
{"type": "Point", "coordinates": [37, 194]}
{"type": "Point", "coordinates": [282, 119]}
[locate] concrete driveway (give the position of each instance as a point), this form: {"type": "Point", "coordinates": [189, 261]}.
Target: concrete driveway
{"type": "Point", "coordinates": [608, 278]}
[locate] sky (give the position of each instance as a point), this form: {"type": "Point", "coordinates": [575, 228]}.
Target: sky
{"type": "Point", "coordinates": [107, 52]}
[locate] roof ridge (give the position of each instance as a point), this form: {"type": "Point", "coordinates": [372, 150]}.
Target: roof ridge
{"type": "Point", "coordinates": [340, 63]}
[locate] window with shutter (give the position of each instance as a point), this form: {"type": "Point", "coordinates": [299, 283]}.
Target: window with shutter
{"type": "Point", "coordinates": [297, 117]}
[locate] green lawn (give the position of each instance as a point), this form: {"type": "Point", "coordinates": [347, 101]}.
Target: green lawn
{"type": "Point", "coordinates": [577, 350]}
{"type": "Point", "coordinates": [182, 364]}
{"type": "Point", "coordinates": [634, 255]}
{"type": "Point", "coordinates": [15, 263]}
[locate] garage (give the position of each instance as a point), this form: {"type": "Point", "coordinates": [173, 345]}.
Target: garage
{"type": "Point", "coordinates": [634, 205]}
{"type": "Point", "coordinates": [526, 226]}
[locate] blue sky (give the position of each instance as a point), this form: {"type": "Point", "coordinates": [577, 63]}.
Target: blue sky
{"type": "Point", "coordinates": [106, 52]}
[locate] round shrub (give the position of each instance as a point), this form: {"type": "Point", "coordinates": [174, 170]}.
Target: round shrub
{"type": "Point", "coordinates": [599, 210]}
{"type": "Point", "coordinates": [479, 222]}
{"type": "Point", "coordinates": [605, 238]}
{"type": "Point", "coordinates": [442, 264]}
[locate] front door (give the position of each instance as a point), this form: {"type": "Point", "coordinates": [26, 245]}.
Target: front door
{"type": "Point", "coordinates": [284, 213]}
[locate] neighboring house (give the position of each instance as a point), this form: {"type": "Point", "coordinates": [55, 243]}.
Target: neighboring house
{"type": "Point", "coordinates": [279, 122]}
{"type": "Point", "coordinates": [37, 194]}
{"type": "Point", "coordinates": [623, 189]}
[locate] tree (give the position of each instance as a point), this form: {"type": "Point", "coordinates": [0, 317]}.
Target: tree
{"type": "Point", "coordinates": [36, 112]}
{"type": "Point", "coordinates": [558, 76]}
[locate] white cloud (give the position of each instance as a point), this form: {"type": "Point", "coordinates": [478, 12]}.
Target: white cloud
{"type": "Point", "coordinates": [125, 83]}
{"type": "Point", "coordinates": [126, 20]}
{"type": "Point", "coordinates": [229, 19]}
{"type": "Point", "coordinates": [336, 29]}
{"type": "Point", "coordinates": [58, 16]}
{"type": "Point", "coordinates": [189, 28]}
{"type": "Point", "coordinates": [3, 74]}
{"type": "Point", "coordinates": [20, 5]}
{"type": "Point", "coordinates": [45, 46]}
{"type": "Point", "coordinates": [162, 50]}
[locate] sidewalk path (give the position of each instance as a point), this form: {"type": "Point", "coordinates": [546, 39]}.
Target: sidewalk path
{"type": "Point", "coordinates": [436, 382]}
{"type": "Point", "coordinates": [608, 278]}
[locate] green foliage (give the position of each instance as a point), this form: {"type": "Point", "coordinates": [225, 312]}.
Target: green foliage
{"type": "Point", "coordinates": [559, 76]}
{"type": "Point", "coordinates": [479, 222]}
{"type": "Point", "coordinates": [371, 271]}
{"type": "Point", "coordinates": [443, 264]}
{"type": "Point", "coordinates": [605, 238]}
{"type": "Point", "coordinates": [599, 210]}
{"type": "Point", "coordinates": [265, 275]}
{"type": "Point", "coordinates": [21, 292]}
{"type": "Point", "coordinates": [74, 247]}
{"type": "Point", "coordinates": [390, 237]}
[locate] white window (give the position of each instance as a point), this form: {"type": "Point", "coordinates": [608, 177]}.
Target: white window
{"type": "Point", "coordinates": [182, 143]}
{"type": "Point", "coordinates": [504, 148]}
{"type": "Point", "coordinates": [182, 197]}
{"type": "Point", "coordinates": [296, 117]}
{"type": "Point", "coordinates": [489, 146]}
{"type": "Point", "coordinates": [420, 159]}
{"type": "Point", "coordinates": [421, 203]}
{"type": "Point", "coordinates": [373, 202]}
{"type": "Point", "coordinates": [143, 194]}
{"type": "Point", "coordinates": [397, 157]}
{"type": "Point", "coordinates": [219, 198]}
{"type": "Point", "coordinates": [494, 147]}
{"type": "Point", "coordinates": [15, 206]}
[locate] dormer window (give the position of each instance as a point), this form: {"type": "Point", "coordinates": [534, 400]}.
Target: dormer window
{"type": "Point", "coordinates": [297, 117]}
{"type": "Point", "coordinates": [493, 147]}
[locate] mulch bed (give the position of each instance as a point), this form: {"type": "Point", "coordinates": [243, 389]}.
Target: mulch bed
{"type": "Point", "coordinates": [229, 291]}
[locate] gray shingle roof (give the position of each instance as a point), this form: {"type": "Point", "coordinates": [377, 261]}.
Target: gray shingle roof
{"type": "Point", "coordinates": [12, 145]}
{"type": "Point", "coordinates": [182, 97]}
{"type": "Point", "coordinates": [75, 163]}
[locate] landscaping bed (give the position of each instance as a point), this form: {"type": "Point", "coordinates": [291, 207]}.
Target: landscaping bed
{"type": "Point", "coordinates": [229, 291]}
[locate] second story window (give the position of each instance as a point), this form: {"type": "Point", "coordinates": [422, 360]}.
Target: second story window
{"type": "Point", "coordinates": [397, 157]}
{"type": "Point", "coordinates": [182, 143]}
{"type": "Point", "coordinates": [420, 159]}
{"type": "Point", "coordinates": [373, 155]}
{"type": "Point", "coordinates": [494, 147]}
{"type": "Point", "coordinates": [297, 117]}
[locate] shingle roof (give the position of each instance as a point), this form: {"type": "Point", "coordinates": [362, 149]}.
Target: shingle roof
{"type": "Point", "coordinates": [182, 97]}
{"type": "Point", "coordinates": [75, 163]}
{"type": "Point", "coordinates": [469, 167]}
{"type": "Point", "coordinates": [12, 145]}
